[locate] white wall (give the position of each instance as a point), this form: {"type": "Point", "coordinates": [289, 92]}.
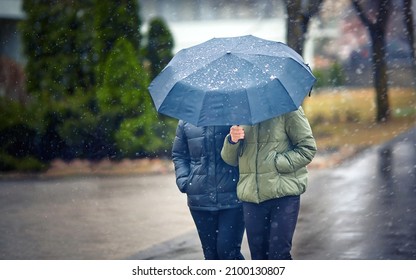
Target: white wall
{"type": "Point", "coordinates": [187, 34]}
{"type": "Point", "coordinates": [190, 33]}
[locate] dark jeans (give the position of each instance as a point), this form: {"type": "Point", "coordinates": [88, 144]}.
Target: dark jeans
{"type": "Point", "coordinates": [270, 226]}
{"type": "Point", "coordinates": [221, 233]}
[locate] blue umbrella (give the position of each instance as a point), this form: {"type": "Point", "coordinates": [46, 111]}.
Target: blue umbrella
{"type": "Point", "coordinates": [233, 80]}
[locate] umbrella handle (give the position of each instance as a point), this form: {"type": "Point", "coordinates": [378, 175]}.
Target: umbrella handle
{"type": "Point", "coordinates": [241, 147]}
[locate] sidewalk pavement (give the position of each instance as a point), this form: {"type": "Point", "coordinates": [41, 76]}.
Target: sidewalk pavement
{"type": "Point", "coordinates": [363, 209]}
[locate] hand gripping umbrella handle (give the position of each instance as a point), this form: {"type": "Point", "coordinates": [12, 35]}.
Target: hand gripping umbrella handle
{"type": "Point", "coordinates": [241, 147]}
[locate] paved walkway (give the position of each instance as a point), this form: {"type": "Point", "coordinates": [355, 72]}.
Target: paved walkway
{"type": "Point", "coordinates": [363, 209]}
{"type": "Point", "coordinates": [89, 217]}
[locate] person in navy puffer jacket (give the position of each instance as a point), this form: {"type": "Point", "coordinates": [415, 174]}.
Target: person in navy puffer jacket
{"type": "Point", "coordinates": [210, 185]}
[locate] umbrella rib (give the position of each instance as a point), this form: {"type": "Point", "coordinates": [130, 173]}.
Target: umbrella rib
{"type": "Point", "coordinates": [200, 111]}
{"type": "Point", "coordinates": [249, 108]}
{"type": "Point", "coordinates": [283, 86]}
{"type": "Point", "coordinates": [301, 62]}
{"type": "Point", "coordinates": [199, 66]}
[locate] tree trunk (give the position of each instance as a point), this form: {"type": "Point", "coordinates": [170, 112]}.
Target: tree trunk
{"type": "Point", "coordinates": [299, 13]}
{"type": "Point", "coordinates": [295, 35]}
{"type": "Point", "coordinates": [380, 75]}
{"type": "Point", "coordinates": [408, 22]}
{"type": "Point", "coordinates": [377, 28]}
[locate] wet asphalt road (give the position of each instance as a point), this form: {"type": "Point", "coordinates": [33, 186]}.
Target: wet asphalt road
{"type": "Point", "coordinates": [89, 217]}
{"type": "Point", "coordinates": [362, 209]}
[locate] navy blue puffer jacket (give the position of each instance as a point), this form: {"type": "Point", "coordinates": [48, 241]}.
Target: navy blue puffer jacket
{"type": "Point", "coordinates": [208, 181]}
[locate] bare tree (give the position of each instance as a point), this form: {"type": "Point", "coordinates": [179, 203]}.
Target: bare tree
{"type": "Point", "coordinates": [299, 14]}
{"type": "Point", "coordinates": [376, 22]}
{"type": "Point", "coordinates": [408, 22]}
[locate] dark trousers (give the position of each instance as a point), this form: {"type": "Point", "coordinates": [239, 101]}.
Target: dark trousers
{"type": "Point", "coordinates": [270, 226]}
{"type": "Point", "coordinates": [221, 233]}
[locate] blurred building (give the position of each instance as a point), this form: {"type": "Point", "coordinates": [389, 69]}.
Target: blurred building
{"type": "Point", "coordinates": [11, 55]}
{"type": "Point", "coordinates": [191, 21]}
{"type": "Point", "coordinates": [10, 14]}
{"type": "Point", "coordinates": [195, 21]}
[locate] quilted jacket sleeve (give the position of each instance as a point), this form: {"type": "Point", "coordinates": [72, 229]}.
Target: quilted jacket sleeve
{"type": "Point", "coordinates": [229, 152]}
{"type": "Point", "coordinates": [181, 158]}
{"type": "Point", "coordinates": [304, 146]}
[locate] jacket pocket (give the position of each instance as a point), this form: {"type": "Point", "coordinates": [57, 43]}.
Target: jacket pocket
{"type": "Point", "coordinates": [183, 184]}
{"type": "Point", "coordinates": [189, 180]}
{"type": "Point", "coordinates": [196, 180]}
{"type": "Point", "coordinates": [271, 162]}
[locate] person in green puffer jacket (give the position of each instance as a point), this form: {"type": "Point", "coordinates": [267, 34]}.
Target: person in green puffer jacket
{"type": "Point", "coordinates": [272, 157]}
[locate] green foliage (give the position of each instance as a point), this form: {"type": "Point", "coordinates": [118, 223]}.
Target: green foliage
{"type": "Point", "coordinates": [17, 137]}
{"type": "Point", "coordinates": [337, 75]}
{"type": "Point", "coordinates": [321, 81]}
{"type": "Point", "coordinates": [143, 136]}
{"type": "Point", "coordinates": [56, 40]}
{"type": "Point", "coordinates": [333, 76]}
{"type": "Point", "coordinates": [125, 82]}
{"type": "Point", "coordinates": [113, 20]}
{"type": "Point", "coordinates": [160, 45]}
{"type": "Point", "coordinates": [124, 99]}
{"type": "Point", "coordinates": [86, 133]}
{"type": "Point", "coordinates": [135, 137]}
{"type": "Point", "coordinates": [24, 164]}
{"type": "Point", "coordinates": [88, 88]}
{"type": "Point", "coordinates": [16, 133]}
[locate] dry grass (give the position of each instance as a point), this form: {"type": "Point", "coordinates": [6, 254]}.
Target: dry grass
{"type": "Point", "coordinates": [346, 117]}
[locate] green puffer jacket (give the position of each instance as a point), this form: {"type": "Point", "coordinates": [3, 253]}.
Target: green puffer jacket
{"type": "Point", "coordinates": [272, 158]}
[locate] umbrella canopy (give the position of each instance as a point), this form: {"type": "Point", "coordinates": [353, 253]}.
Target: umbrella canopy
{"type": "Point", "coordinates": [233, 80]}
